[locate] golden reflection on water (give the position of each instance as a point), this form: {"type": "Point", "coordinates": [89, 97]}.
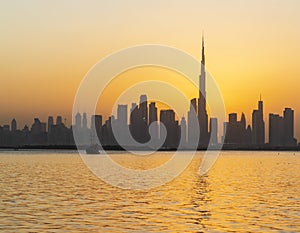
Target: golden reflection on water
{"type": "Point", "coordinates": [243, 192]}
{"type": "Point", "coordinates": [142, 162]}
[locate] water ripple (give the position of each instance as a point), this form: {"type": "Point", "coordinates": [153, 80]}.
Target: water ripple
{"type": "Point", "coordinates": [244, 192]}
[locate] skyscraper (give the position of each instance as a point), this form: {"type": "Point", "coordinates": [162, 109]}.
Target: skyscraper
{"type": "Point", "coordinates": [78, 121]}
{"type": "Point", "coordinates": [109, 138]}
{"type": "Point", "coordinates": [152, 112]}
{"type": "Point", "coordinates": [144, 108]}
{"type": "Point", "coordinates": [193, 124]}
{"type": "Point", "coordinates": [84, 121]}
{"type": "Point", "coordinates": [183, 131]}
{"type": "Point", "coordinates": [134, 121]}
{"type": "Point", "coordinates": [153, 120]}
{"type": "Point", "coordinates": [50, 123]}
{"type": "Point", "coordinates": [96, 126]}
{"type": "Point", "coordinates": [214, 130]}
{"type": "Point", "coordinates": [122, 114]}
{"type": "Point", "coordinates": [38, 132]}
{"type": "Point", "coordinates": [13, 125]}
{"type": "Point", "coordinates": [58, 120]}
{"type": "Point", "coordinates": [275, 130]}
{"type": "Point", "coordinates": [202, 113]}
{"type": "Point", "coordinates": [167, 117]}
{"type": "Point", "coordinates": [139, 121]}
{"type": "Point", "coordinates": [143, 124]}
{"type": "Point", "coordinates": [236, 131]}
{"type": "Point", "coordinates": [258, 125]}
{"type": "Point", "coordinates": [288, 117]}
{"type": "Point", "coordinates": [98, 122]}
{"type": "Point", "coordinates": [281, 129]}
{"type": "Point", "coordinates": [120, 126]}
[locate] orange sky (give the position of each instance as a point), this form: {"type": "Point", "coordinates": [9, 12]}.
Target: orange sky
{"type": "Point", "coordinates": [48, 46]}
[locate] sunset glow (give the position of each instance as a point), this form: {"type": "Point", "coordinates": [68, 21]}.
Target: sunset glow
{"type": "Point", "coordinates": [252, 48]}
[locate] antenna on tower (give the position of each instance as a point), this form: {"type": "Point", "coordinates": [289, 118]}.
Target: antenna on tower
{"type": "Point", "coordinates": [202, 38]}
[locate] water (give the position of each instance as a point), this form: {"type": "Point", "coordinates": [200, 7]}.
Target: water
{"type": "Point", "coordinates": [243, 192]}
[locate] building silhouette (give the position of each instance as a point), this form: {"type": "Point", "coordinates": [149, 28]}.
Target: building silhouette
{"type": "Point", "coordinates": [122, 114]}
{"type": "Point", "coordinates": [59, 120]}
{"type": "Point", "coordinates": [202, 113]}
{"type": "Point", "coordinates": [281, 129]}
{"type": "Point", "coordinates": [58, 134]}
{"type": "Point", "coordinates": [120, 126]}
{"type": "Point", "coordinates": [193, 125]}
{"type": "Point", "coordinates": [13, 125]}
{"type": "Point", "coordinates": [236, 131]}
{"type": "Point", "coordinates": [182, 133]}
{"type": "Point", "coordinates": [167, 118]}
{"type": "Point", "coordinates": [96, 129]}
{"type": "Point", "coordinates": [143, 120]}
{"type": "Point", "coordinates": [50, 124]}
{"type": "Point", "coordinates": [96, 126]}
{"type": "Point", "coordinates": [288, 127]}
{"type": "Point", "coordinates": [275, 130]}
{"type": "Point", "coordinates": [78, 120]}
{"type": "Point", "coordinates": [38, 133]}
{"type": "Point", "coordinates": [139, 121]}
{"type": "Point", "coordinates": [84, 121]}
{"type": "Point", "coordinates": [135, 119]}
{"type": "Point", "coordinates": [152, 112]}
{"type": "Point", "coordinates": [258, 125]}
{"type": "Point", "coordinates": [108, 135]}
{"type": "Point", "coordinates": [213, 131]}
{"type": "Point", "coordinates": [153, 121]}
{"type": "Point", "coordinates": [197, 131]}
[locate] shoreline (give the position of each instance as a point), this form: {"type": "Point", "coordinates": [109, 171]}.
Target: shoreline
{"type": "Point", "coordinates": [119, 148]}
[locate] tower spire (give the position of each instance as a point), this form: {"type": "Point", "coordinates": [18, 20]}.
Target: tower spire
{"type": "Point", "coordinates": [202, 113]}
{"type": "Point", "coordinates": [203, 54]}
{"type": "Point", "coordinates": [202, 84]}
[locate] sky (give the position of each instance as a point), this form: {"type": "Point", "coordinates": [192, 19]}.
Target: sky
{"type": "Point", "coordinates": [47, 47]}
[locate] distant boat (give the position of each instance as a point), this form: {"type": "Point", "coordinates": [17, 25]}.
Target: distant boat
{"type": "Point", "coordinates": [92, 149]}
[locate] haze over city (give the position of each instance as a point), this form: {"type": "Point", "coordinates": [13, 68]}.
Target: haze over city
{"type": "Point", "coordinates": [149, 116]}
{"type": "Point", "coordinates": [251, 49]}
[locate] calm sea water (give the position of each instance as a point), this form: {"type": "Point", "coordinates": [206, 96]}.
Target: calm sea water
{"type": "Point", "coordinates": [243, 192]}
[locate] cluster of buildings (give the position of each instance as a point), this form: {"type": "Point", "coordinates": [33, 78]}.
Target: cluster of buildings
{"type": "Point", "coordinates": [144, 124]}
{"type": "Point", "coordinates": [238, 133]}
{"type": "Point", "coordinates": [39, 133]}
{"type": "Point", "coordinates": [281, 129]}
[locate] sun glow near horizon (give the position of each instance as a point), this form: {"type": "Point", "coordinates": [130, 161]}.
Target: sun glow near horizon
{"type": "Point", "coordinates": [47, 48]}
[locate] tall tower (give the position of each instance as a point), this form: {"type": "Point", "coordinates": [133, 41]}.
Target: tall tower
{"type": "Point", "coordinates": [84, 121]}
{"type": "Point", "coordinates": [153, 120]}
{"type": "Point", "coordinates": [13, 125]}
{"type": "Point", "coordinates": [288, 127]}
{"type": "Point", "coordinates": [50, 123]}
{"type": "Point", "coordinates": [183, 131]}
{"type": "Point", "coordinates": [202, 77]}
{"type": "Point", "coordinates": [77, 120]}
{"type": "Point", "coordinates": [122, 114]}
{"type": "Point", "coordinates": [258, 125]}
{"type": "Point", "coordinates": [152, 112]}
{"type": "Point", "coordinates": [144, 108]}
{"type": "Point", "coordinates": [202, 113]}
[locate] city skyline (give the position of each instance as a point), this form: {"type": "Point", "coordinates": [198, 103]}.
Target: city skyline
{"type": "Point", "coordinates": [198, 130]}
{"type": "Point", "coordinates": [56, 133]}
{"type": "Point", "coordinates": [150, 116]}
{"type": "Point", "coordinates": [250, 46]}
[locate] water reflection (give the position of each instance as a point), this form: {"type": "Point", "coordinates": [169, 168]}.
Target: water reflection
{"type": "Point", "coordinates": [244, 192]}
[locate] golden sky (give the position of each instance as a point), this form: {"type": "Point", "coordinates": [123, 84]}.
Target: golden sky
{"type": "Point", "coordinates": [47, 47]}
